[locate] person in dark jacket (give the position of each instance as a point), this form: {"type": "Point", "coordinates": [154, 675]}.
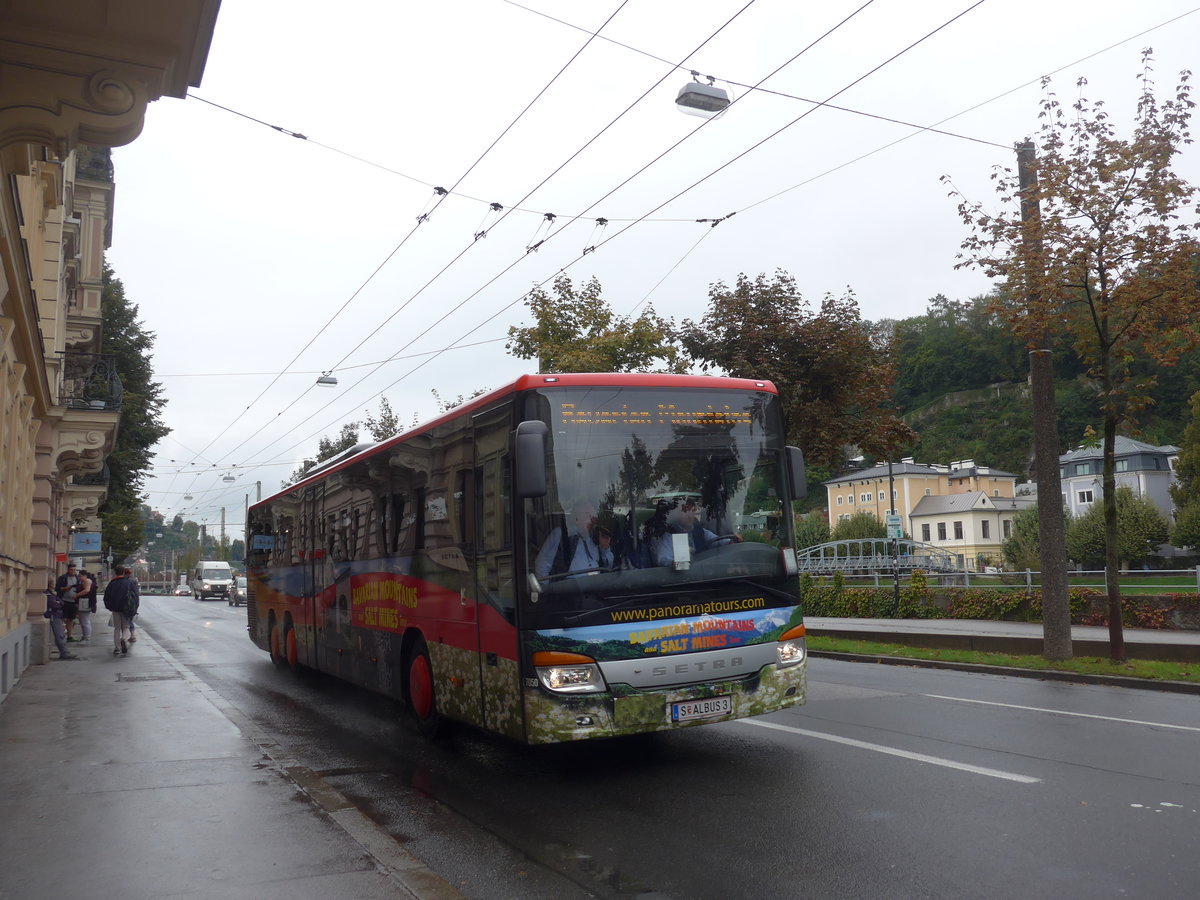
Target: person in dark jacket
{"type": "Point", "coordinates": [65, 587]}
{"type": "Point", "coordinates": [54, 606]}
{"type": "Point", "coordinates": [121, 599]}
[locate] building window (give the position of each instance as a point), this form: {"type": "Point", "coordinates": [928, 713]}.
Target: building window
{"type": "Point", "coordinates": [1006, 527]}
{"type": "Point", "coordinates": [840, 498]}
{"type": "Point", "coordinates": [864, 498]}
{"type": "Point", "coordinates": [850, 499]}
{"type": "Point", "coordinates": [928, 492]}
{"type": "Point", "coordinates": [985, 528]}
{"type": "Point", "coordinates": [958, 532]}
{"type": "Point", "coordinates": [1081, 468]}
{"type": "Point", "coordinates": [925, 532]}
{"type": "Point", "coordinates": [881, 495]}
{"type": "Point", "coordinates": [941, 531]}
{"type": "Point", "coordinates": [1122, 465]}
{"type": "Point", "coordinates": [1085, 496]}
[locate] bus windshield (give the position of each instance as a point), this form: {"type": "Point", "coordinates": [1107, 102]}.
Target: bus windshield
{"type": "Point", "coordinates": [649, 493]}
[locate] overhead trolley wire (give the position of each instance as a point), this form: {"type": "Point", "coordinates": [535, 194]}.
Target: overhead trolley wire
{"type": "Point", "coordinates": [731, 161]}
{"type": "Point", "coordinates": [609, 193]}
{"type": "Point", "coordinates": [442, 193]}
{"type": "Point", "coordinates": [455, 345]}
{"type": "Point", "coordinates": [504, 215]}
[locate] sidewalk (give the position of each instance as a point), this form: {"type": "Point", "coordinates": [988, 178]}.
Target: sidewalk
{"type": "Point", "coordinates": [125, 776]}
{"type": "Point", "coordinates": [1007, 637]}
{"type": "Point", "coordinates": [1011, 637]}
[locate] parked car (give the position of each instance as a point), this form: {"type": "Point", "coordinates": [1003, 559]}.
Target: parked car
{"type": "Point", "coordinates": [237, 593]}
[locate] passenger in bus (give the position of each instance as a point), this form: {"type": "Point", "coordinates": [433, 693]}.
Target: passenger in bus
{"type": "Point", "coordinates": [685, 519]}
{"type": "Point", "coordinates": [577, 545]}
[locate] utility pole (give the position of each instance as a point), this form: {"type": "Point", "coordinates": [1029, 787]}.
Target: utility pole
{"type": "Point", "coordinates": [895, 539]}
{"type": "Point", "coordinates": [1056, 607]}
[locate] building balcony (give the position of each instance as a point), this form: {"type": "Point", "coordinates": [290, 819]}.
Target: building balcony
{"type": "Point", "coordinates": [90, 381]}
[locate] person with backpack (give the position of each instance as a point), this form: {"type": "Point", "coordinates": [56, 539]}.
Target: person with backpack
{"type": "Point", "coordinates": [121, 599]}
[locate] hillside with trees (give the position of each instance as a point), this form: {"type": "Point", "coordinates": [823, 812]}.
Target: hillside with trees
{"type": "Point", "coordinates": [961, 385]}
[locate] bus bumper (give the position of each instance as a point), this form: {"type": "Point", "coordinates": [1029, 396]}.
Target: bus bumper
{"type": "Point", "coordinates": [624, 710]}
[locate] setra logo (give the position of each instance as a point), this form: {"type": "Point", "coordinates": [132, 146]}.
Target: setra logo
{"type": "Point", "coordinates": [698, 668]}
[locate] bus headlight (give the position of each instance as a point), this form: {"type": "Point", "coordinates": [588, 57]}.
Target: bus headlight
{"type": "Point", "coordinates": [792, 648]}
{"type": "Point", "coordinates": [568, 673]}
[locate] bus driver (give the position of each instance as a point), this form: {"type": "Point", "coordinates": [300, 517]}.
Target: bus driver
{"type": "Point", "coordinates": [582, 546]}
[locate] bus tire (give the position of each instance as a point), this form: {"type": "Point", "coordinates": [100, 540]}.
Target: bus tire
{"type": "Point", "coordinates": [274, 644]}
{"type": "Point", "coordinates": [422, 699]}
{"type": "Point", "coordinates": [290, 652]}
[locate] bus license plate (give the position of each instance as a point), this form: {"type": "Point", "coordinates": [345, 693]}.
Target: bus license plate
{"type": "Point", "coordinates": [701, 709]}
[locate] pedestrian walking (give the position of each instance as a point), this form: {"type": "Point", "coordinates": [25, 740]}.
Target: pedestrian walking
{"type": "Point", "coordinates": [65, 588]}
{"type": "Point", "coordinates": [121, 599]}
{"type": "Point", "coordinates": [54, 612]}
{"type": "Point", "coordinates": [137, 589]}
{"type": "Point", "coordinates": [85, 594]}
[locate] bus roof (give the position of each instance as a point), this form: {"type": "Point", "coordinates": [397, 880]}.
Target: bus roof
{"type": "Point", "coordinates": [526, 383]}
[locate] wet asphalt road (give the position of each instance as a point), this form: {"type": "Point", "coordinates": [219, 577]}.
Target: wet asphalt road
{"type": "Point", "coordinates": [891, 782]}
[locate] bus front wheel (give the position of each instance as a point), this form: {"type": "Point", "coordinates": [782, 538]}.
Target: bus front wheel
{"type": "Point", "coordinates": [422, 700]}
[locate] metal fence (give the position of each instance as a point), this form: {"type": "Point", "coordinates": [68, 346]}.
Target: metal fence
{"type": "Point", "coordinates": [1167, 581]}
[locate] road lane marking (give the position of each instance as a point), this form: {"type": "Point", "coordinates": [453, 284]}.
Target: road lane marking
{"type": "Point", "coordinates": [1064, 712]}
{"type": "Point", "coordinates": [895, 751]}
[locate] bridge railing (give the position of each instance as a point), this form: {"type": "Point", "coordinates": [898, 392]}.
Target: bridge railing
{"type": "Point", "coordinates": [869, 555]}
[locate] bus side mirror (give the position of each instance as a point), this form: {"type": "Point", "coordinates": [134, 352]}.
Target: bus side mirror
{"type": "Point", "coordinates": [529, 469]}
{"type": "Point", "coordinates": [795, 463]}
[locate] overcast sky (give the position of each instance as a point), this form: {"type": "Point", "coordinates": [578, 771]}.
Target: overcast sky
{"type": "Point", "coordinates": [261, 260]}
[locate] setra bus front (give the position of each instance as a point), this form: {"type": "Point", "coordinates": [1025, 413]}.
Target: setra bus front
{"type": "Point", "coordinates": [660, 583]}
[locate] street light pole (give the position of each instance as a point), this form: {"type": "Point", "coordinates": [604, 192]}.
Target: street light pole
{"type": "Point", "coordinates": [895, 540]}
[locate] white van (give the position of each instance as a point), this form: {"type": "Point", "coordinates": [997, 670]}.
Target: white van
{"type": "Point", "coordinates": [211, 578]}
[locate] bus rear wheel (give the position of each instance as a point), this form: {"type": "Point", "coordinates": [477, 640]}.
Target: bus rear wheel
{"type": "Point", "coordinates": [275, 645]}
{"type": "Point", "coordinates": [422, 699]}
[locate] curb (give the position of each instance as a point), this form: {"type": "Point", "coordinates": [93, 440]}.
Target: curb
{"type": "Point", "coordinates": [1146, 684]}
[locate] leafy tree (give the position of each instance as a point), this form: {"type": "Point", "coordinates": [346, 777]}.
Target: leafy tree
{"type": "Point", "coordinates": [1022, 548]}
{"type": "Point", "coordinates": [811, 529]}
{"type": "Point", "coordinates": [575, 330]}
{"type": "Point", "coordinates": [141, 424]}
{"type": "Point", "coordinates": [387, 425]}
{"type": "Point", "coordinates": [1186, 491]}
{"type": "Point", "coordinates": [1141, 528]}
{"type": "Point", "coordinates": [1185, 532]}
{"type": "Point", "coordinates": [444, 406]}
{"type": "Point", "coordinates": [1109, 262]}
{"type": "Point", "coordinates": [833, 371]}
{"type": "Point", "coordinates": [326, 448]}
{"type": "Point", "coordinates": [955, 345]}
{"type": "Point", "coordinates": [860, 525]}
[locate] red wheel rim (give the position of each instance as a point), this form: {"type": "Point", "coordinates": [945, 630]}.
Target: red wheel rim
{"type": "Point", "coordinates": [274, 643]}
{"type": "Point", "coordinates": [420, 686]}
{"type": "Point", "coordinates": [291, 647]}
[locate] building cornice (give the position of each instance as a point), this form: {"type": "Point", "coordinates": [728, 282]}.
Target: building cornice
{"type": "Point", "coordinates": [84, 72]}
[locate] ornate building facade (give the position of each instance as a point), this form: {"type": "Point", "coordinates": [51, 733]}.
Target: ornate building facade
{"type": "Point", "coordinates": [75, 80]}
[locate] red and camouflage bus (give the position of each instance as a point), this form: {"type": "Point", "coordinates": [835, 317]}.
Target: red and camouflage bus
{"type": "Point", "coordinates": [566, 557]}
